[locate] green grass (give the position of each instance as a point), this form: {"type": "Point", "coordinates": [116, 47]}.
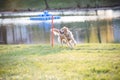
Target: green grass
{"type": "Point", "coordinates": [42, 62]}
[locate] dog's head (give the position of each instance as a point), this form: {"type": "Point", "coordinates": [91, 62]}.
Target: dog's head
{"type": "Point", "coordinates": [64, 29]}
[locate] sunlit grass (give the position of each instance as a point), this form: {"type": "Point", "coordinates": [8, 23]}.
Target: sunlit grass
{"type": "Point", "coordinates": [42, 62]}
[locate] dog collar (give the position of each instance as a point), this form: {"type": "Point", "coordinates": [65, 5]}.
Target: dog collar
{"type": "Point", "coordinates": [61, 32]}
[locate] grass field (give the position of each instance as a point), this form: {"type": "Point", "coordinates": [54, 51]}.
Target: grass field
{"type": "Point", "coordinates": [42, 62]}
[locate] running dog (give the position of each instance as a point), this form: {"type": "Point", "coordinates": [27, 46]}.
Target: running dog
{"type": "Point", "coordinates": [65, 36]}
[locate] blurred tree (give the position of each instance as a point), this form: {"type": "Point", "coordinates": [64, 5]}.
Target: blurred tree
{"type": "Point", "coordinates": [2, 4]}
{"type": "Point", "coordinates": [46, 4]}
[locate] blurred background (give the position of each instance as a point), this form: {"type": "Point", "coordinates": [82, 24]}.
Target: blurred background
{"type": "Point", "coordinates": [91, 21]}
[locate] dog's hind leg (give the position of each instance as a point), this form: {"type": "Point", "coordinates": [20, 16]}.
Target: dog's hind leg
{"type": "Point", "coordinates": [60, 41]}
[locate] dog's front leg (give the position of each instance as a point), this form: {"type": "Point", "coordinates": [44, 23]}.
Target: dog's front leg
{"type": "Point", "coordinates": [70, 44]}
{"type": "Point", "coordinates": [61, 41]}
{"type": "Point", "coordinates": [74, 42]}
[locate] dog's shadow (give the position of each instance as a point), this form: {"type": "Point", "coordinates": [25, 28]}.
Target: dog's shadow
{"type": "Point", "coordinates": [66, 48]}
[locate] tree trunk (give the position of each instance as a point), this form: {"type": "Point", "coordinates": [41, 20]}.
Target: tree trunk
{"type": "Point", "coordinates": [46, 4]}
{"type": "Point", "coordinates": [98, 34]}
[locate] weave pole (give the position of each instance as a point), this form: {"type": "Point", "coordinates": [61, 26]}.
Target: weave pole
{"type": "Point", "coordinates": [52, 32]}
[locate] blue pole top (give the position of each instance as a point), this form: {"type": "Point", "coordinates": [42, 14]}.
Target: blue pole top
{"type": "Point", "coordinates": [45, 16]}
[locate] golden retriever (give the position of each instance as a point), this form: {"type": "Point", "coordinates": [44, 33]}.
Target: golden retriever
{"type": "Point", "coordinates": [65, 36]}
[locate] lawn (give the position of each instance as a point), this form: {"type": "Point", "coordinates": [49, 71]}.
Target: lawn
{"type": "Point", "coordinates": [42, 62]}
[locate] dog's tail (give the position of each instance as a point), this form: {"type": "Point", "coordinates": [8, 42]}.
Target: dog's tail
{"type": "Point", "coordinates": [55, 31]}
